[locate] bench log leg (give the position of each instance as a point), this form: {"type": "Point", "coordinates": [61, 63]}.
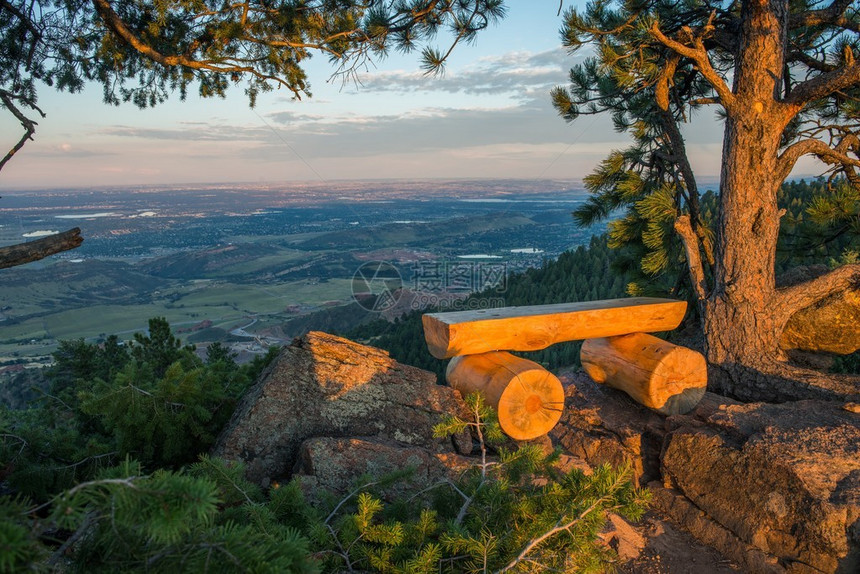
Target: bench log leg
{"type": "Point", "coordinates": [667, 378]}
{"type": "Point", "coordinates": [528, 398]}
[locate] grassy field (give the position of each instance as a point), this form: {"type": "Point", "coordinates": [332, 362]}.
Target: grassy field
{"type": "Point", "coordinates": [265, 298]}
{"type": "Point", "coordinates": [281, 258]}
{"type": "Point", "coordinates": [227, 305]}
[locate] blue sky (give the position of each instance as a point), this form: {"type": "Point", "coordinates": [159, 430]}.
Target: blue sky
{"type": "Point", "coordinates": [488, 116]}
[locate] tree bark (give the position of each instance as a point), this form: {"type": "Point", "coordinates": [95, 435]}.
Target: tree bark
{"type": "Point", "coordinates": [739, 329]}
{"type": "Point", "coordinates": [39, 249]}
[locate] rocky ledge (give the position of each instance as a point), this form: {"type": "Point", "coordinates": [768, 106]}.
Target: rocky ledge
{"type": "Point", "coordinates": [772, 487]}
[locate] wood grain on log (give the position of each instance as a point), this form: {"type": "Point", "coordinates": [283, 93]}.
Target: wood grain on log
{"type": "Point", "coordinates": [662, 376]}
{"type": "Point", "coordinates": [39, 249]}
{"type": "Point", "coordinates": [528, 398]}
{"type": "Point", "coordinates": [536, 327]}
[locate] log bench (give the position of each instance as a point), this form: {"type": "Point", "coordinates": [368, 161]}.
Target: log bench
{"type": "Point", "coordinates": [617, 352]}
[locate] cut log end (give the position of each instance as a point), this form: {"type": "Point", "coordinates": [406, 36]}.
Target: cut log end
{"type": "Point", "coordinates": [531, 405]}
{"type": "Point", "coordinates": [528, 399]}
{"type": "Point", "coordinates": [657, 374]}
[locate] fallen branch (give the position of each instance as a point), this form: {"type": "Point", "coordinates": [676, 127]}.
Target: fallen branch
{"type": "Point", "coordinates": [34, 250]}
{"type": "Point", "coordinates": [690, 241]}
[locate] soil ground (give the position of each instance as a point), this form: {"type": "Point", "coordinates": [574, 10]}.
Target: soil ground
{"type": "Point", "coordinates": [670, 550]}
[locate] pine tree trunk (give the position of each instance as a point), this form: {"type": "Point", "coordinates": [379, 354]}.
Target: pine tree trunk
{"type": "Point", "coordinates": [740, 332]}
{"type": "Point", "coordinates": [743, 315]}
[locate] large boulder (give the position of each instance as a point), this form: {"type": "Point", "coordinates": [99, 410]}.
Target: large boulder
{"type": "Point", "coordinates": [783, 478]}
{"type": "Point", "coordinates": [830, 325]}
{"type": "Point", "coordinates": [773, 487]}
{"type": "Point", "coordinates": [327, 386]}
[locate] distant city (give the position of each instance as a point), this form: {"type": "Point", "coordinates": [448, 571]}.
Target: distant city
{"type": "Point", "coordinates": [254, 265]}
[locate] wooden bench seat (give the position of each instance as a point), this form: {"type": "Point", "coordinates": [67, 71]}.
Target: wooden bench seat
{"type": "Point", "coordinates": [535, 327]}
{"type": "Point", "coordinates": [617, 352]}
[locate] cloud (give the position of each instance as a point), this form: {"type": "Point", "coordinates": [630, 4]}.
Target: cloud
{"type": "Point", "coordinates": [291, 117]}
{"type": "Point", "coordinates": [63, 150]}
{"type": "Point", "coordinates": [188, 131]}
{"type": "Point", "coordinates": [512, 141]}
{"type": "Point", "coordinates": [521, 75]}
{"type": "Point", "coordinates": [492, 118]}
{"type": "Point", "coordinates": [523, 116]}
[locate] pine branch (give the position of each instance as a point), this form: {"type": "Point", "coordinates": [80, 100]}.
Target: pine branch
{"type": "Point", "coordinates": [789, 300]}
{"type": "Point", "coordinates": [467, 503]}
{"type": "Point", "coordinates": [666, 77]}
{"type": "Point", "coordinates": [87, 459]}
{"type": "Point", "coordinates": [127, 481]}
{"type": "Point", "coordinates": [344, 553]}
{"type": "Point", "coordinates": [347, 498]}
{"type": "Point", "coordinates": [810, 62]}
{"type": "Point", "coordinates": [833, 15]}
{"type": "Point", "coordinates": [34, 41]}
{"type": "Point", "coordinates": [219, 469]}
{"type": "Point", "coordinates": [822, 86]}
{"type": "Point", "coordinates": [23, 18]}
{"type": "Point", "coordinates": [115, 23]}
{"type": "Point", "coordinates": [28, 124]}
{"type": "Point", "coordinates": [679, 151]}
{"type": "Point", "coordinates": [82, 530]}
{"type": "Point", "coordinates": [694, 259]}
{"type": "Point", "coordinates": [24, 445]}
{"type": "Point", "coordinates": [457, 489]}
{"type": "Point", "coordinates": [699, 55]}
{"type": "Point", "coordinates": [812, 146]}
{"type": "Point", "coordinates": [705, 101]}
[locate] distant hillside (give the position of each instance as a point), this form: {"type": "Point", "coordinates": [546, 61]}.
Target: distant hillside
{"type": "Point", "coordinates": [335, 320]}
{"type": "Point", "coordinates": [72, 285]}
{"type": "Point", "coordinates": [216, 261]}
{"type": "Point", "coordinates": [402, 234]}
